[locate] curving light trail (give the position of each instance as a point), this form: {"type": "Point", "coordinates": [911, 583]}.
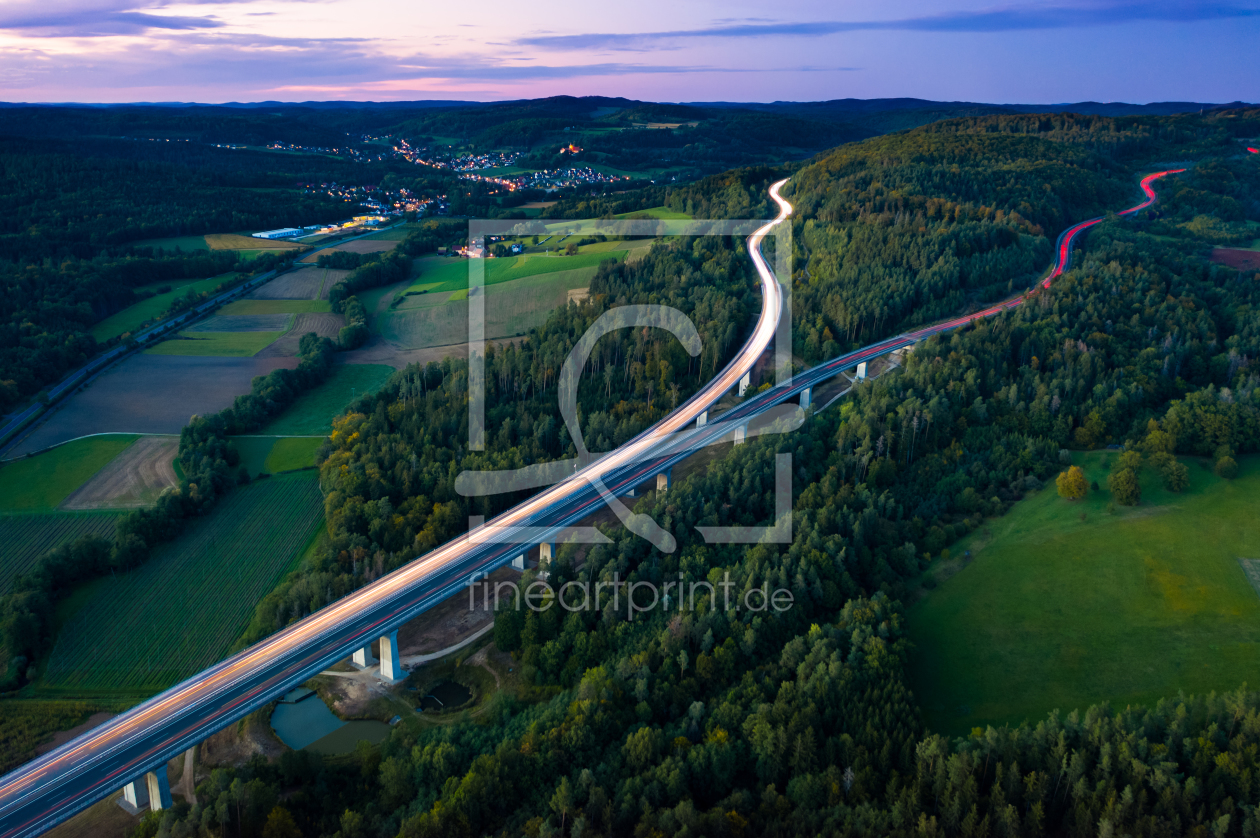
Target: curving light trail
{"type": "Point", "coordinates": [50, 789]}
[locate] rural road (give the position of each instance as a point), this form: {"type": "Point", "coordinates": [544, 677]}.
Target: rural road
{"type": "Point", "coordinates": [50, 789]}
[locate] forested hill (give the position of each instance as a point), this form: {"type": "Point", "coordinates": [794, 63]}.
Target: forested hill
{"type": "Point", "coordinates": [908, 228]}
{"type": "Point", "coordinates": [721, 722]}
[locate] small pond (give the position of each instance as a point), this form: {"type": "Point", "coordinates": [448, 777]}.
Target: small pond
{"type": "Point", "coordinates": [445, 694]}
{"type": "Point", "coordinates": [303, 721]}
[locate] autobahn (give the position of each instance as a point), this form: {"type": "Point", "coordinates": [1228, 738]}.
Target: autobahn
{"type": "Point", "coordinates": [52, 788]}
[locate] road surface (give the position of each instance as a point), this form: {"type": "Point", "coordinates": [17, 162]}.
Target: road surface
{"type": "Point", "coordinates": [52, 788]}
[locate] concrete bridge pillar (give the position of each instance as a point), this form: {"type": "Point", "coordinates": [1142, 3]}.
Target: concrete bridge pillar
{"type": "Point", "coordinates": [363, 658]}
{"type": "Point", "coordinates": [519, 562]}
{"type": "Point", "coordinates": [391, 663]}
{"type": "Point", "coordinates": [663, 480]}
{"type": "Point", "coordinates": [806, 395]}
{"type": "Point", "coordinates": [159, 789]}
{"type": "Point", "coordinates": [703, 418]}
{"type": "Point", "coordinates": [861, 371]}
{"type": "Point", "coordinates": [741, 433]}
{"type": "Point", "coordinates": [744, 383]}
{"type": "Point", "coordinates": [136, 794]}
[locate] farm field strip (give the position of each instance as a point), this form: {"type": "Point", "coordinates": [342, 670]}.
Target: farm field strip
{"type": "Point", "coordinates": [279, 322]}
{"type": "Point", "coordinates": [240, 307]}
{"type": "Point", "coordinates": [182, 610]}
{"type": "Point", "coordinates": [24, 538]}
{"type": "Point", "coordinates": [130, 318]}
{"type": "Point", "coordinates": [43, 481]}
{"type": "Point", "coordinates": [438, 274]}
{"type": "Point", "coordinates": [217, 344]}
{"type": "Point", "coordinates": [510, 308]}
{"type": "Point", "coordinates": [313, 411]}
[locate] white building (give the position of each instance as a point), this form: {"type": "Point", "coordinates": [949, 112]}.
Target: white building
{"type": "Point", "coordinates": [282, 233]}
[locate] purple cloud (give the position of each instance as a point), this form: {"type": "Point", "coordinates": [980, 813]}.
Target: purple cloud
{"type": "Point", "coordinates": [998, 19]}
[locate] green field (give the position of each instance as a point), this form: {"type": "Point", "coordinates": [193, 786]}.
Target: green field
{"type": "Point", "coordinates": [219, 344]}
{"type": "Point", "coordinates": [24, 538]}
{"type": "Point", "coordinates": [1058, 612]}
{"type": "Point", "coordinates": [276, 307]}
{"type": "Point", "coordinates": [46, 479]}
{"type": "Point", "coordinates": [438, 275]}
{"type": "Point", "coordinates": [511, 308]}
{"type": "Point", "coordinates": [292, 453]}
{"type": "Point", "coordinates": [273, 455]}
{"type": "Point", "coordinates": [132, 317]}
{"type": "Point", "coordinates": [183, 609]}
{"type": "Point", "coordinates": [393, 234]}
{"type": "Point", "coordinates": [314, 410]}
{"type": "Point", "coordinates": [663, 213]}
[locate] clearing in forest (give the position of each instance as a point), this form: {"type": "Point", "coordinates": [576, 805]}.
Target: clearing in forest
{"type": "Point", "coordinates": [1056, 610]}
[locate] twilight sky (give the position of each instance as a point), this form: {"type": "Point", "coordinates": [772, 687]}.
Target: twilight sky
{"type": "Point", "coordinates": [664, 50]}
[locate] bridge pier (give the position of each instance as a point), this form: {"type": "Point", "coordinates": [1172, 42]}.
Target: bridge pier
{"type": "Point", "coordinates": [741, 434]}
{"type": "Point", "coordinates": [861, 371]}
{"type": "Point", "coordinates": [744, 383]}
{"type": "Point", "coordinates": [703, 418]}
{"type": "Point", "coordinates": [135, 795]}
{"type": "Point", "coordinates": [806, 395]}
{"type": "Point", "coordinates": [159, 789]}
{"type": "Point", "coordinates": [363, 658]}
{"type": "Point", "coordinates": [391, 662]}
{"type": "Point", "coordinates": [663, 480]}
{"type": "Point", "coordinates": [519, 562]}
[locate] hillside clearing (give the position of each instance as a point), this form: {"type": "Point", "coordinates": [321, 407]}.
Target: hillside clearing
{"type": "Point", "coordinates": [1058, 612]}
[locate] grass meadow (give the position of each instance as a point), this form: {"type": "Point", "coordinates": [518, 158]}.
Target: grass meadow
{"type": "Point", "coordinates": [438, 274]}
{"type": "Point", "coordinates": [313, 411]}
{"type": "Point", "coordinates": [273, 455]}
{"type": "Point", "coordinates": [183, 609]}
{"type": "Point", "coordinates": [1064, 604]}
{"type": "Point", "coordinates": [41, 482]}
{"type": "Point", "coordinates": [133, 317]}
{"type": "Point", "coordinates": [511, 308]}
{"type": "Point", "coordinates": [218, 344]}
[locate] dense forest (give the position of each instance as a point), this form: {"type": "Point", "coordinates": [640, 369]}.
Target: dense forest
{"type": "Point", "coordinates": [717, 722]}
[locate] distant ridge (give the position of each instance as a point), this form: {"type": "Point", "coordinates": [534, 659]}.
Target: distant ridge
{"type": "Point", "coordinates": [817, 108]}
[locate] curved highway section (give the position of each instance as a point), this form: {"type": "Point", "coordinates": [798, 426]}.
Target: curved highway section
{"type": "Point", "coordinates": [54, 787]}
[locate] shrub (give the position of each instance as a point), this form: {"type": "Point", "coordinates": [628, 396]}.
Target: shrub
{"type": "Point", "coordinates": [1227, 468]}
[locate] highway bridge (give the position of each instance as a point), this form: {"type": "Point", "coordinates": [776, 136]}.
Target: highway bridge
{"type": "Point", "coordinates": [127, 748]}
